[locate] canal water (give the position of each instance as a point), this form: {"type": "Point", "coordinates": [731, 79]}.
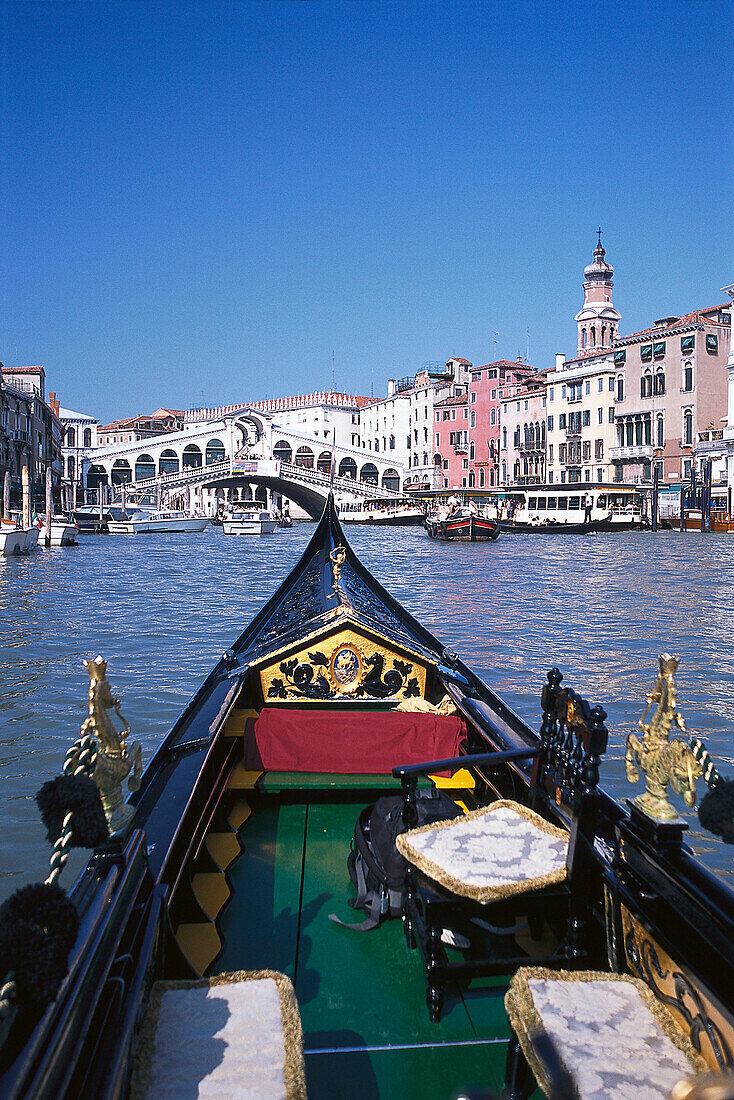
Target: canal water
{"type": "Point", "coordinates": [162, 608]}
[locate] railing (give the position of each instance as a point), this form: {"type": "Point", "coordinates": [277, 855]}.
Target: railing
{"type": "Point", "coordinates": [638, 450]}
{"type": "Point", "coordinates": [573, 433]}
{"type": "Point", "coordinates": [460, 448]}
{"type": "Point", "coordinates": [710, 435]}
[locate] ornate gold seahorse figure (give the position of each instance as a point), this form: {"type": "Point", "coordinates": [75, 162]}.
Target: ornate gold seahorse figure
{"type": "Point", "coordinates": [116, 759]}
{"type": "Point", "coordinates": [663, 761]}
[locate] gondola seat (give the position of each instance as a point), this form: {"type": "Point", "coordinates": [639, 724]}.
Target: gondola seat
{"type": "Point", "coordinates": [611, 1033]}
{"type": "Point", "coordinates": [476, 880]}
{"type": "Point", "coordinates": [347, 741]}
{"type": "Point", "coordinates": [233, 1035]}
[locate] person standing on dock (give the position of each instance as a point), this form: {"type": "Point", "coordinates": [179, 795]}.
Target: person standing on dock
{"type": "Point", "coordinates": [588, 504]}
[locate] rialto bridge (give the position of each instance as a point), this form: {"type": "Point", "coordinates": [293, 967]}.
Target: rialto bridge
{"type": "Point", "coordinates": [241, 455]}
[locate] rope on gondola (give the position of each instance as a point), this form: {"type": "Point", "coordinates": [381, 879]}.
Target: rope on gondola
{"type": "Point", "coordinates": [716, 811]}
{"type": "Point", "coordinates": [38, 923]}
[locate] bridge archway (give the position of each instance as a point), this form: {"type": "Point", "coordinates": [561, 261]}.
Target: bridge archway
{"type": "Point", "coordinates": [214, 451]}
{"type": "Point", "coordinates": [391, 479]}
{"type": "Point", "coordinates": [304, 457]}
{"type": "Point", "coordinates": [96, 476]}
{"type": "Point", "coordinates": [168, 462]}
{"type": "Point", "coordinates": [121, 472]}
{"type": "Point", "coordinates": [348, 468]}
{"type": "Point", "coordinates": [282, 451]}
{"type": "Point", "coordinates": [369, 473]}
{"type": "Point", "coordinates": [191, 459]}
{"type": "Point", "coordinates": [144, 467]}
{"type": "Point", "coordinates": [323, 464]}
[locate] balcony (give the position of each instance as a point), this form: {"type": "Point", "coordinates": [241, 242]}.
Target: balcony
{"type": "Point", "coordinates": [460, 448]}
{"type": "Point", "coordinates": [573, 433]}
{"type": "Point", "coordinates": [528, 448]}
{"type": "Point", "coordinates": [631, 454]}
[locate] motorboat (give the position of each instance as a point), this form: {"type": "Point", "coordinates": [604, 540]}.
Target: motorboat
{"type": "Point", "coordinates": [248, 521]}
{"type": "Point", "coordinates": [90, 519]}
{"type": "Point", "coordinates": [63, 531]}
{"type": "Point", "coordinates": [12, 539]}
{"type": "Point", "coordinates": [152, 521]}
{"type": "Point", "coordinates": [540, 930]}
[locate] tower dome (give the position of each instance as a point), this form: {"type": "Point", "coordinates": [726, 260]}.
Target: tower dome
{"type": "Point", "coordinates": [598, 319]}
{"type": "Point", "coordinates": [599, 271]}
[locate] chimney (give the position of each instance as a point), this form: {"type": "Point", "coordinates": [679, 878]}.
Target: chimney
{"type": "Point", "coordinates": [391, 387]}
{"type": "Point", "coordinates": [560, 360]}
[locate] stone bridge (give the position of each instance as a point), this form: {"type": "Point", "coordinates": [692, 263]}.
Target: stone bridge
{"type": "Point", "coordinates": [247, 447]}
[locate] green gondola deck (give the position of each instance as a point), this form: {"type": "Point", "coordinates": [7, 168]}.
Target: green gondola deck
{"type": "Point", "coordinates": [361, 994]}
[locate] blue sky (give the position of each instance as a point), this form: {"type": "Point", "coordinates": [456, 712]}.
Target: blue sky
{"type": "Point", "coordinates": [201, 202]}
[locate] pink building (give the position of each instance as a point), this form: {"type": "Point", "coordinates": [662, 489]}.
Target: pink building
{"type": "Point", "coordinates": [489, 384]}
{"type": "Point", "coordinates": [523, 439]}
{"type": "Point", "coordinates": [451, 447]}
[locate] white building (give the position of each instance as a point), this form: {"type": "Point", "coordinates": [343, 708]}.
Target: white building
{"type": "Point", "coordinates": [401, 424]}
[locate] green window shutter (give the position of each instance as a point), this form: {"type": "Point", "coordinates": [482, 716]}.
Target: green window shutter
{"type": "Point", "coordinates": [712, 344]}
{"type": "Point", "coordinates": [620, 357]}
{"type": "Point", "coordinates": [646, 353]}
{"type": "Point", "coordinates": [687, 343]}
{"type": "Point", "coordinates": [658, 349]}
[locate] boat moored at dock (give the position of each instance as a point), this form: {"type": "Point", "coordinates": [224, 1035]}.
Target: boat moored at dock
{"type": "Point", "coordinates": [382, 513]}
{"type": "Point", "coordinates": [248, 521]}
{"type": "Point", "coordinates": [156, 521]}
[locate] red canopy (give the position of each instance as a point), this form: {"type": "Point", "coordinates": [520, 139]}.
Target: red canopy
{"type": "Point", "coordinates": [348, 742]}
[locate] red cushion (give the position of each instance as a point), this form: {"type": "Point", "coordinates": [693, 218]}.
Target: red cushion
{"type": "Point", "coordinates": [342, 742]}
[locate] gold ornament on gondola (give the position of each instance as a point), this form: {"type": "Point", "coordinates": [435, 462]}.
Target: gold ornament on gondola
{"type": "Point", "coordinates": [663, 761]}
{"type": "Point", "coordinates": [337, 557]}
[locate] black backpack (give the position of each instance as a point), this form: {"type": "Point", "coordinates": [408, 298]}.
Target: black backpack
{"type": "Point", "coordinates": [375, 866]}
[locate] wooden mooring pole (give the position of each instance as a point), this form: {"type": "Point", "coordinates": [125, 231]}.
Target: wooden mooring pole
{"type": "Point", "coordinates": [49, 507]}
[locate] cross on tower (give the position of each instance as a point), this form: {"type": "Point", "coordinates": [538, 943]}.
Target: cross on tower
{"type": "Point", "coordinates": [599, 242]}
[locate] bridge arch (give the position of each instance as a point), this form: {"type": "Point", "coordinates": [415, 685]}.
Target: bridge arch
{"type": "Point", "coordinates": [144, 467]}
{"type": "Point", "coordinates": [168, 462]}
{"type": "Point", "coordinates": [391, 479]}
{"type": "Point", "coordinates": [323, 463]}
{"type": "Point", "coordinates": [369, 473]}
{"type": "Point", "coordinates": [214, 451]}
{"type": "Point", "coordinates": [191, 458]}
{"type": "Point", "coordinates": [96, 476]}
{"type": "Point", "coordinates": [282, 451]}
{"type": "Point", "coordinates": [348, 468]}
{"type": "Point", "coordinates": [304, 457]}
{"type": "Point", "coordinates": [121, 472]}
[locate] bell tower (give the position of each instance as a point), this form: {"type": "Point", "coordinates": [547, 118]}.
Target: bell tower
{"type": "Point", "coordinates": [598, 319]}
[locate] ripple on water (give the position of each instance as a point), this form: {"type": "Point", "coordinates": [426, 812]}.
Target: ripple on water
{"type": "Point", "coordinates": [162, 609]}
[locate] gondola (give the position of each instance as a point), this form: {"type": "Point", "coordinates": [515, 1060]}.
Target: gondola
{"type": "Point", "coordinates": [203, 919]}
{"type": "Point", "coordinates": [462, 527]}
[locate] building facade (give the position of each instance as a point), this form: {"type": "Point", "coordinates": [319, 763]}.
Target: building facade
{"type": "Point", "coordinates": [31, 432]}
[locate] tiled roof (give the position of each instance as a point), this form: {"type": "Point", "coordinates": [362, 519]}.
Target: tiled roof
{"type": "Point", "coordinates": [456, 399]}
{"type": "Point", "coordinates": [505, 364]}
{"type": "Point", "coordinates": [458, 359]}
{"type": "Point", "coordinates": [22, 370]}
{"type": "Point", "coordinates": [685, 321]}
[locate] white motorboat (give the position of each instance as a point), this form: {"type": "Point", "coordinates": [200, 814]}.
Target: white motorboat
{"type": "Point", "coordinates": [164, 521]}
{"type": "Point", "coordinates": [382, 513]}
{"type": "Point", "coordinates": [63, 531]}
{"type": "Point", "coordinates": [248, 521]}
{"type": "Point", "coordinates": [12, 539]}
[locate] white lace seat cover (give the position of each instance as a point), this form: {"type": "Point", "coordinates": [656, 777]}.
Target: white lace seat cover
{"type": "Point", "coordinates": [490, 853]}
{"type": "Point", "coordinates": [613, 1036]}
{"type": "Point", "coordinates": [237, 1036]}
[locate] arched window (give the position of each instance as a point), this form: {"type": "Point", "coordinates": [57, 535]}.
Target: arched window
{"type": "Point", "coordinates": [593, 337]}
{"type": "Point", "coordinates": [517, 468]}
{"type": "Point", "coordinates": [493, 417]}
{"type": "Point", "coordinates": [96, 476]}
{"type": "Point", "coordinates": [646, 385]}
{"type": "Point", "coordinates": [70, 467]}
{"type": "Point", "coordinates": [392, 442]}
{"type": "Point", "coordinates": [214, 451]}
{"type": "Point", "coordinates": [144, 467]}
{"type": "Point", "coordinates": [304, 458]}
{"type": "Point", "coordinates": [504, 472]}
{"type": "Point", "coordinates": [282, 451]}
{"type": "Point", "coordinates": [504, 438]}
{"type": "Point", "coordinates": [491, 477]}
{"type": "Point", "coordinates": [471, 479]}
{"type": "Point", "coordinates": [603, 334]}
{"type": "Point", "coordinates": [348, 468]}
{"type": "Point", "coordinates": [620, 387]}
{"type": "Point", "coordinates": [583, 337]}
{"type": "Point", "coordinates": [87, 437]}
{"type": "Point", "coordinates": [70, 437]}
{"type": "Point", "coordinates": [481, 477]}
{"type": "Point", "coordinates": [542, 434]}
{"type": "Point", "coordinates": [517, 436]}
{"type": "Point", "coordinates": [659, 382]}
{"type": "Point", "coordinates": [661, 432]}
{"type": "Point", "coordinates": [369, 473]}
{"type": "Point", "coordinates": [191, 459]}
{"type": "Point", "coordinates": [688, 428]}
{"type": "Point", "coordinates": [323, 463]}
{"type": "Point", "coordinates": [377, 444]}
{"type": "Point", "coordinates": [471, 451]}
{"type": "Point", "coordinates": [688, 377]}
{"type": "Point", "coordinates": [391, 479]}
{"type": "Point", "coordinates": [168, 462]}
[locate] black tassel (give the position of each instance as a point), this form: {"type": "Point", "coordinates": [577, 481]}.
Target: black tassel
{"type": "Point", "coordinates": [38, 928]}
{"type": "Point", "coordinates": [80, 794]}
{"type": "Point", "coordinates": [716, 812]}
